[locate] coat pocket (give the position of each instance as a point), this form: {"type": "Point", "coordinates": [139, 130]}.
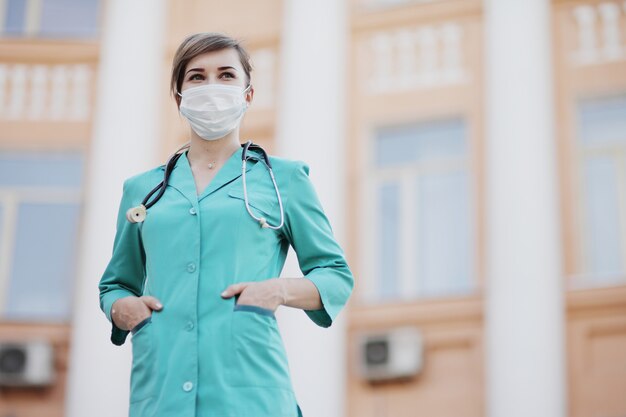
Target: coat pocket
{"type": "Point", "coordinates": [142, 377]}
{"type": "Point", "coordinates": [141, 324]}
{"type": "Point", "coordinates": [262, 204]}
{"type": "Point", "coordinates": [259, 357]}
{"type": "Point", "coordinates": [254, 309]}
{"type": "Point", "coordinates": [262, 207]}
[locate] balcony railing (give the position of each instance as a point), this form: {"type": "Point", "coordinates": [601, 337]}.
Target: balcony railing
{"type": "Point", "coordinates": [47, 91]}
{"type": "Point", "coordinates": [37, 92]}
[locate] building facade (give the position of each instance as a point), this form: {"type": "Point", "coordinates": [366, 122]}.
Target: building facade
{"type": "Point", "coordinates": [471, 156]}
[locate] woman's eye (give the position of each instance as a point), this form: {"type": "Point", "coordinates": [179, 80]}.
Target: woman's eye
{"type": "Point", "coordinates": [193, 77]}
{"type": "Point", "coordinates": [230, 75]}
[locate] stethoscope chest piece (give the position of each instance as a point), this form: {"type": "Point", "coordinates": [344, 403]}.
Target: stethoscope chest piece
{"type": "Point", "coordinates": [136, 214]}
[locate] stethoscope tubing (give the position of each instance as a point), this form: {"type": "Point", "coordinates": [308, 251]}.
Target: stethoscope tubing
{"type": "Point", "coordinates": [262, 220]}
{"type": "Point", "coordinates": [138, 214]}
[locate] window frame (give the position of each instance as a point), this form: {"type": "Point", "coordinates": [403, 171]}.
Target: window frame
{"type": "Point", "coordinates": [33, 18]}
{"type": "Point", "coordinates": [406, 176]}
{"type": "Point", "coordinates": [11, 197]}
{"type": "Point", "coordinates": [583, 277]}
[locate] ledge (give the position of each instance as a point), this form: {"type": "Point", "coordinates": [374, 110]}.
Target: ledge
{"type": "Point", "coordinates": [451, 309]}
{"type": "Point", "coordinates": [42, 50]}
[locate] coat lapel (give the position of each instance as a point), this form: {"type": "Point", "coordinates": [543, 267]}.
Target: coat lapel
{"type": "Point", "coordinates": [182, 178]}
{"type": "Point", "coordinates": [229, 172]}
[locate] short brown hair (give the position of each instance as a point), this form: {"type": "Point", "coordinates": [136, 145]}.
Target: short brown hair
{"type": "Point", "coordinates": [200, 43]}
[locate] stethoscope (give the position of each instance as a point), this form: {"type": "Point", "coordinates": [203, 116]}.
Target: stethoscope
{"type": "Point", "coordinates": [138, 214]}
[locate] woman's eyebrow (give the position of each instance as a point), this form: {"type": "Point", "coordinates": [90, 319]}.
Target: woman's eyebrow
{"type": "Point", "coordinates": [202, 69]}
{"type": "Point", "coordinates": [195, 69]}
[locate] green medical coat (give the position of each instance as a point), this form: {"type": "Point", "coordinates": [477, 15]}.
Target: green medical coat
{"type": "Point", "coordinates": [202, 355]}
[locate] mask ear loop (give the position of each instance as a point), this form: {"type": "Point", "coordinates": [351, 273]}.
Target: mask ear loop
{"type": "Point", "coordinates": [244, 92]}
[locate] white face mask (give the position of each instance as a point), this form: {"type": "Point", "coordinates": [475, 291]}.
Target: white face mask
{"type": "Point", "coordinates": [213, 110]}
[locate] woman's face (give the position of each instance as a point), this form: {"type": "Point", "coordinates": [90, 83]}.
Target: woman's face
{"type": "Point", "coordinates": [217, 67]}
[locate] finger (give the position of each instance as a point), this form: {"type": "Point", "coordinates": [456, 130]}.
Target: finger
{"type": "Point", "coordinates": [234, 289]}
{"type": "Point", "coordinates": [151, 302]}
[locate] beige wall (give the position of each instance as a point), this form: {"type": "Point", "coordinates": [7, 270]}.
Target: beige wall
{"type": "Point", "coordinates": [452, 381]}
{"type": "Point", "coordinates": [596, 325]}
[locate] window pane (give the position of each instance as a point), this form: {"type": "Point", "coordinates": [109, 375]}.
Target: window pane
{"type": "Point", "coordinates": [42, 278]}
{"type": "Point", "coordinates": [389, 209]}
{"type": "Point", "coordinates": [445, 261]}
{"type": "Point", "coordinates": [602, 234]}
{"type": "Point", "coordinates": [69, 18]}
{"type": "Point", "coordinates": [603, 121]}
{"type": "Point", "coordinates": [41, 169]}
{"type": "Point", "coordinates": [415, 143]}
{"type": "Point", "coordinates": [602, 134]}
{"type": "Point", "coordinates": [14, 21]}
{"type": "Point", "coordinates": [424, 237]}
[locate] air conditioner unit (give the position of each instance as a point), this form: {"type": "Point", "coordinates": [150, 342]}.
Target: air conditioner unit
{"type": "Point", "coordinates": [25, 364]}
{"type": "Point", "coordinates": [392, 354]}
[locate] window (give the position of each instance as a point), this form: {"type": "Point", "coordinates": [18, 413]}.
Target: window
{"type": "Point", "coordinates": [50, 18]}
{"type": "Point", "coordinates": [602, 175]}
{"type": "Point", "coordinates": [39, 218]}
{"type": "Point", "coordinates": [420, 239]}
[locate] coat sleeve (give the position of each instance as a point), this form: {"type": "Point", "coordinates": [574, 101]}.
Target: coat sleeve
{"type": "Point", "coordinates": [125, 273]}
{"type": "Point", "coordinates": [320, 257]}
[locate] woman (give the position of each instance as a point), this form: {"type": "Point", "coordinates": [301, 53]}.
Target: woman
{"type": "Point", "coordinates": [195, 278]}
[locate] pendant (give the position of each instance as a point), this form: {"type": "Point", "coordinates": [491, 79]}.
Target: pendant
{"type": "Point", "coordinates": [211, 165]}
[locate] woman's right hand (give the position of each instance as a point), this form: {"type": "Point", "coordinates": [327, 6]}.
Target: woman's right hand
{"type": "Point", "coordinates": [127, 312]}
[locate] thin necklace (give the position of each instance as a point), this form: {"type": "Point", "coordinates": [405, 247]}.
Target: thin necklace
{"type": "Point", "coordinates": [212, 164]}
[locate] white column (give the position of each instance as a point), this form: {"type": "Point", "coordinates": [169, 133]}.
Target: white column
{"type": "Point", "coordinates": [525, 353]}
{"type": "Point", "coordinates": [126, 139]}
{"type": "Point", "coordinates": [311, 127]}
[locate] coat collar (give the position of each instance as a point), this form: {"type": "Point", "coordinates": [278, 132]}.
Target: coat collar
{"type": "Point", "coordinates": [182, 178]}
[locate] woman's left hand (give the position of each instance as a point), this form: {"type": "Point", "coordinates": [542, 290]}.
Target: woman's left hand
{"type": "Point", "coordinates": [267, 294]}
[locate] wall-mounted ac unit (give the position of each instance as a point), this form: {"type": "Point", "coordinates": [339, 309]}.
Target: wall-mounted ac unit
{"type": "Point", "coordinates": [25, 364]}
{"type": "Point", "coordinates": [392, 354]}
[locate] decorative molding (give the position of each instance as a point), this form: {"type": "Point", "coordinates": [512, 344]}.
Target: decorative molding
{"type": "Point", "coordinates": [423, 57]}
{"type": "Point", "coordinates": [600, 30]}
{"type": "Point", "coordinates": [378, 5]}
{"type": "Point", "coordinates": [37, 92]}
